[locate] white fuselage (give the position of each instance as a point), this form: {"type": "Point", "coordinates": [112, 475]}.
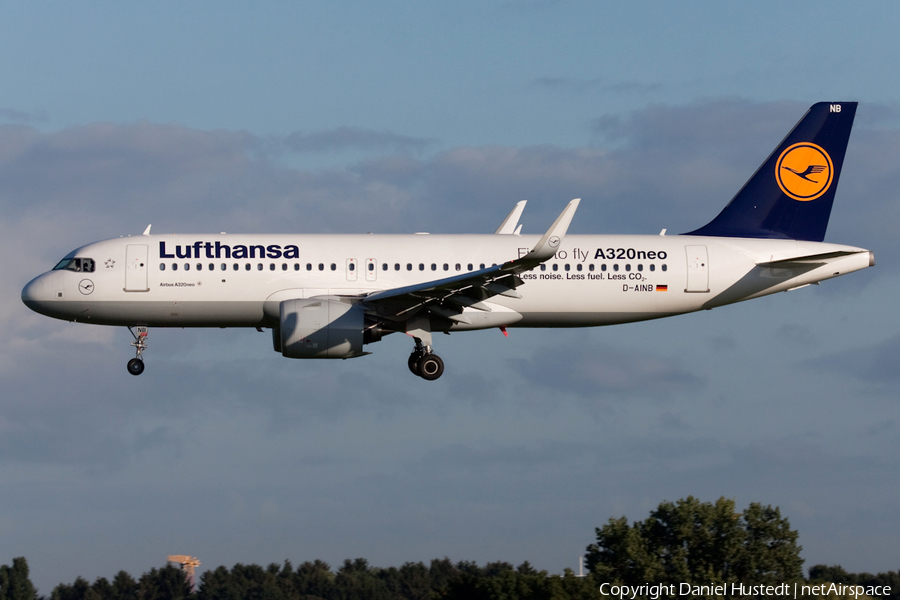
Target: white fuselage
{"type": "Point", "coordinates": [237, 280]}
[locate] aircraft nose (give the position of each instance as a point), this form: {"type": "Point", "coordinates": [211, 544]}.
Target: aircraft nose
{"type": "Point", "coordinates": [34, 293]}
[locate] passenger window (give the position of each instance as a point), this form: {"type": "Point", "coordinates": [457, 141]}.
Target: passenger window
{"type": "Point", "coordinates": [199, 266]}
{"type": "Point", "coordinates": [433, 267]}
{"type": "Point", "coordinates": [628, 267]}
{"type": "Point", "coordinates": [458, 267]}
{"type": "Point", "coordinates": [284, 266]}
{"type": "Point", "coordinates": [640, 267]}
{"type": "Point", "coordinates": [446, 267]}
{"type": "Point", "coordinates": [664, 267]}
{"type": "Point", "coordinates": [352, 267]}
{"type": "Point", "coordinates": [616, 267]}
{"type": "Point", "coordinates": [396, 266]}
{"type": "Point", "coordinates": [371, 266]}
{"type": "Point", "coordinates": [247, 267]}
{"type": "Point", "coordinates": [578, 267]}
{"type": "Point", "coordinates": [272, 266]}
{"type": "Point", "coordinates": [409, 266]}
{"type": "Point", "coordinates": [652, 267]}
{"type": "Point", "coordinates": [321, 266]}
{"type": "Point", "coordinates": [333, 267]}
{"type": "Point", "coordinates": [212, 267]}
{"type": "Point", "coordinates": [162, 266]}
{"type": "Point", "coordinates": [384, 266]}
{"type": "Point", "coordinates": [555, 267]}
{"type": "Point", "coordinates": [567, 266]}
{"type": "Point", "coordinates": [224, 266]}
{"type": "Point", "coordinates": [603, 267]}
{"type": "Point", "coordinates": [174, 266]}
{"type": "Point", "coordinates": [543, 266]}
{"type": "Point", "coordinates": [296, 266]}
{"type": "Point", "coordinates": [481, 267]}
{"type": "Point", "coordinates": [236, 266]}
{"type": "Point", "coordinates": [591, 267]}
{"type": "Point", "coordinates": [421, 267]}
{"type": "Point", "coordinates": [187, 267]}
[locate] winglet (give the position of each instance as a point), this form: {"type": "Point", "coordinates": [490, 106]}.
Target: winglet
{"type": "Point", "coordinates": [508, 226]}
{"type": "Point", "coordinates": [147, 231]}
{"type": "Point", "coordinates": [549, 244]}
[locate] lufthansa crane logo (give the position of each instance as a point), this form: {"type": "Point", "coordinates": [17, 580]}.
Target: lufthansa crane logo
{"type": "Point", "coordinates": [804, 171]}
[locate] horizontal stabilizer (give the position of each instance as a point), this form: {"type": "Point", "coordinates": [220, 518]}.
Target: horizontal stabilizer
{"type": "Point", "coordinates": [809, 259]}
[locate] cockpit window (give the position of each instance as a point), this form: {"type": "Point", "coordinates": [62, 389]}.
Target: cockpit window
{"type": "Point", "coordinates": [79, 265]}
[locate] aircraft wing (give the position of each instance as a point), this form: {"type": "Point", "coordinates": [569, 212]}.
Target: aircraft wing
{"type": "Point", "coordinates": [448, 297]}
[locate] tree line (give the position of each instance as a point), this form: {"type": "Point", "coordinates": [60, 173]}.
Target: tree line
{"type": "Point", "coordinates": [685, 542]}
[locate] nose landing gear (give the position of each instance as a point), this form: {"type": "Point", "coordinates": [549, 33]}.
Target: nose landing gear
{"type": "Point", "coordinates": [425, 363]}
{"type": "Point", "coordinates": [136, 364]}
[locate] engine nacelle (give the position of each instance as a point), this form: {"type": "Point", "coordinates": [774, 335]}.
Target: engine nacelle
{"type": "Point", "coordinates": [321, 328]}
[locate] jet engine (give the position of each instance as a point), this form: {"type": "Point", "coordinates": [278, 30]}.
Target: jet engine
{"type": "Point", "coordinates": [321, 328]}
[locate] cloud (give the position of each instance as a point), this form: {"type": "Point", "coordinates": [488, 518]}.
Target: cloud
{"type": "Point", "coordinates": [602, 372]}
{"type": "Point", "coordinates": [354, 138]}
{"type": "Point", "coordinates": [663, 166]}
{"type": "Point", "coordinates": [21, 116]}
{"type": "Point", "coordinates": [876, 365]}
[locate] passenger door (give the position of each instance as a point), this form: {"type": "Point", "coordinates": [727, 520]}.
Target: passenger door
{"type": "Point", "coordinates": [697, 269]}
{"type": "Point", "coordinates": [136, 268]}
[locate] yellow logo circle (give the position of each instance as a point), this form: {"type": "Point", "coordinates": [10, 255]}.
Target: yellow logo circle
{"type": "Point", "coordinates": [804, 171]}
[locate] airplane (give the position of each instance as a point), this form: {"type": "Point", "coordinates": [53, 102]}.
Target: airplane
{"type": "Point", "coordinates": [329, 296]}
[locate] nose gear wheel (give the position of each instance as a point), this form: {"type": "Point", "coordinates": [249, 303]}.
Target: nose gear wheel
{"type": "Point", "coordinates": [136, 364]}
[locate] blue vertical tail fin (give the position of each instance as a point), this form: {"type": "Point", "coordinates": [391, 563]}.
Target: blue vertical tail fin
{"type": "Point", "coordinates": [791, 194]}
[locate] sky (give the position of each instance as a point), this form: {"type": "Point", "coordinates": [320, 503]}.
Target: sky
{"type": "Point", "coordinates": [396, 117]}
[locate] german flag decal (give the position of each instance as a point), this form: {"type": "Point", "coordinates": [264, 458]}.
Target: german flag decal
{"type": "Point", "coordinates": [662, 288]}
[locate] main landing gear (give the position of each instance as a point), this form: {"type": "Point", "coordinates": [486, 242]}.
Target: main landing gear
{"type": "Point", "coordinates": [136, 364]}
{"type": "Point", "coordinates": [424, 363]}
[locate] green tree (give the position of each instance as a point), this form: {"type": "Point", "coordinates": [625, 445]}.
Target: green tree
{"type": "Point", "coordinates": [167, 583]}
{"type": "Point", "coordinates": [440, 572]}
{"type": "Point", "coordinates": [218, 585]}
{"type": "Point", "coordinates": [14, 581]}
{"type": "Point", "coordinates": [80, 589]}
{"type": "Point", "coordinates": [700, 543]}
{"type": "Point", "coordinates": [314, 580]}
{"type": "Point", "coordinates": [355, 580]}
{"type": "Point", "coordinates": [124, 587]}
